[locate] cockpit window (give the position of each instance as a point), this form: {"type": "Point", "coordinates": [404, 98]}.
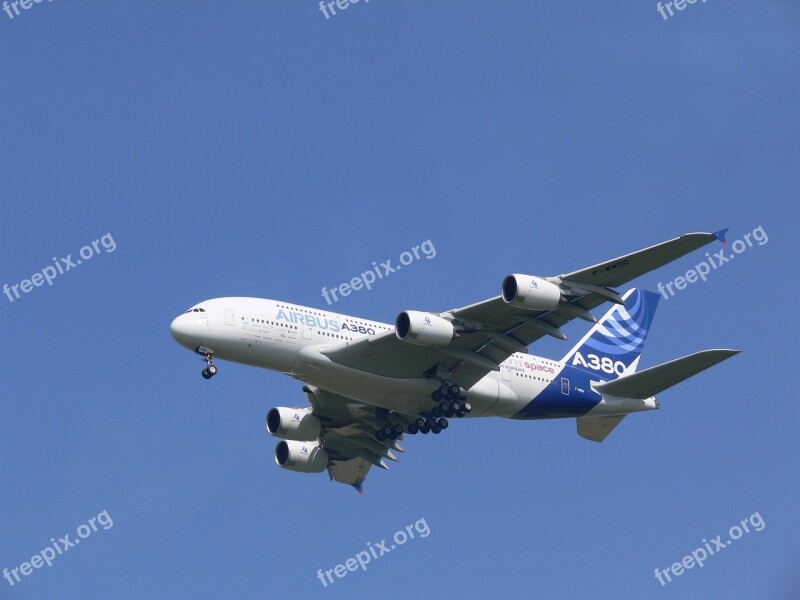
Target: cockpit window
{"type": "Point", "coordinates": [196, 310]}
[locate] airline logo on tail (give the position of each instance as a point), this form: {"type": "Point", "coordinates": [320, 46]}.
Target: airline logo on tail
{"type": "Point", "coordinates": [614, 344]}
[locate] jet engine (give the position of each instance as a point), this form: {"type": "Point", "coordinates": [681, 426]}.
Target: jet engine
{"type": "Point", "coordinates": [530, 292]}
{"type": "Point", "coordinates": [293, 424]}
{"type": "Point", "coordinates": [303, 457]}
{"type": "Point", "coordinates": [423, 329]}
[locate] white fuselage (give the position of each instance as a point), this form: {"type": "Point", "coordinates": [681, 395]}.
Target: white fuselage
{"type": "Point", "coordinates": [286, 337]}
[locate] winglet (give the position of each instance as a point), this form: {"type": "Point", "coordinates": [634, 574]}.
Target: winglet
{"type": "Point", "coordinates": [720, 235]}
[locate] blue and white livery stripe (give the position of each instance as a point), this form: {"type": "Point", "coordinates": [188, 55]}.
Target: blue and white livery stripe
{"type": "Point", "coordinates": [618, 338]}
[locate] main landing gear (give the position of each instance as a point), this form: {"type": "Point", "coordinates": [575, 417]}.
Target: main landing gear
{"type": "Point", "coordinates": [428, 423]}
{"type": "Point", "coordinates": [425, 423]}
{"type": "Point", "coordinates": [389, 431]}
{"type": "Point", "coordinates": [451, 403]}
{"type": "Point", "coordinates": [208, 356]}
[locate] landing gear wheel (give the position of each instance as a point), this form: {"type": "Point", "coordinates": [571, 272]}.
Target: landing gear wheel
{"type": "Point", "coordinates": [397, 431]}
{"type": "Point", "coordinates": [425, 428]}
{"type": "Point", "coordinates": [448, 411]}
{"type": "Point", "coordinates": [454, 390]}
{"type": "Point", "coordinates": [413, 428]}
{"type": "Point", "coordinates": [443, 423]}
{"type": "Point", "coordinates": [436, 428]}
{"type": "Point", "coordinates": [437, 396]}
{"type": "Point", "coordinates": [457, 406]}
{"type": "Point", "coordinates": [421, 422]}
{"type": "Point", "coordinates": [380, 436]}
{"type": "Point", "coordinates": [467, 407]}
{"type": "Point", "coordinates": [208, 357]}
{"type": "Point", "coordinates": [460, 414]}
{"type": "Point", "coordinates": [437, 411]}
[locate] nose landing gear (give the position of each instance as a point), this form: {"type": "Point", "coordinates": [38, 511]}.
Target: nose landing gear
{"type": "Point", "coordinates": [208, 357]}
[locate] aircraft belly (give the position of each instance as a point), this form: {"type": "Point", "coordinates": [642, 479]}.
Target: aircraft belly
{"type": "Point", "coordinates": [407, 395]}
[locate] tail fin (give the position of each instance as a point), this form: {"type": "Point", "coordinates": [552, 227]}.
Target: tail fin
{"type": "Point", "coordinates": [613, 346]}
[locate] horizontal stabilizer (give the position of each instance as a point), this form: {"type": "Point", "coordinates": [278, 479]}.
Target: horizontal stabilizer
{"type": "Point", "coordinates": [650, 382]}
{"type": "Point", "coordinates": [597, 428]}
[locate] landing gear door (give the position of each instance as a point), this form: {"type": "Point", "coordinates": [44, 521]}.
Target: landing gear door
{"type": "Point", "coordinates": [229, 320]}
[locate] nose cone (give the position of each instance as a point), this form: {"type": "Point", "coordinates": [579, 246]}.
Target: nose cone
{"type": "Point", "coordinates": [181, 329]}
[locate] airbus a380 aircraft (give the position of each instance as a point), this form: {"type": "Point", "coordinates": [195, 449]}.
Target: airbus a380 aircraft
{"type": "Point", "coordinates": [369, 382]}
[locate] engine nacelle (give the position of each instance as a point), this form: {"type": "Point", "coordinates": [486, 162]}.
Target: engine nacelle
{"type": "Point", "coordinates": [303, 457]}
{"type": "Point", "coordinates": [530, 292]}
{"type": "Point", "coordinates": [293, 424]}
{"type": "Point", "coordinates": [423, 329]}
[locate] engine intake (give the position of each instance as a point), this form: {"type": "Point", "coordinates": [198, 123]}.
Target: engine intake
{"type": "Point", "coordinates": [303, 457]}
{"type": "Point", "coordinates": [293, 424]}
{"type": "Point", "coordinates": [423, 329]}
{"type": "Point", "coordinates": [530, 292]}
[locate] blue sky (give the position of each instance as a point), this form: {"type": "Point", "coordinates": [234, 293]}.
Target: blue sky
{"type": "Point", "coordinates": [261, 149]}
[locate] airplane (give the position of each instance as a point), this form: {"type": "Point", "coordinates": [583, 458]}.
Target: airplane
{"type": "Point", "coordinates": [368, 383]}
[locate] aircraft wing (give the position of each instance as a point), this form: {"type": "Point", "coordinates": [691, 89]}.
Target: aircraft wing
{"type": "Point", "coordinates": [491, 330]}
{"type": "Point", "coordinates": [348, 433]}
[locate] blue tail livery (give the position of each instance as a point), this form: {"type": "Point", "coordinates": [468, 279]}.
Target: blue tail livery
{"type": "Point", "coordinates": [613, 346]}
